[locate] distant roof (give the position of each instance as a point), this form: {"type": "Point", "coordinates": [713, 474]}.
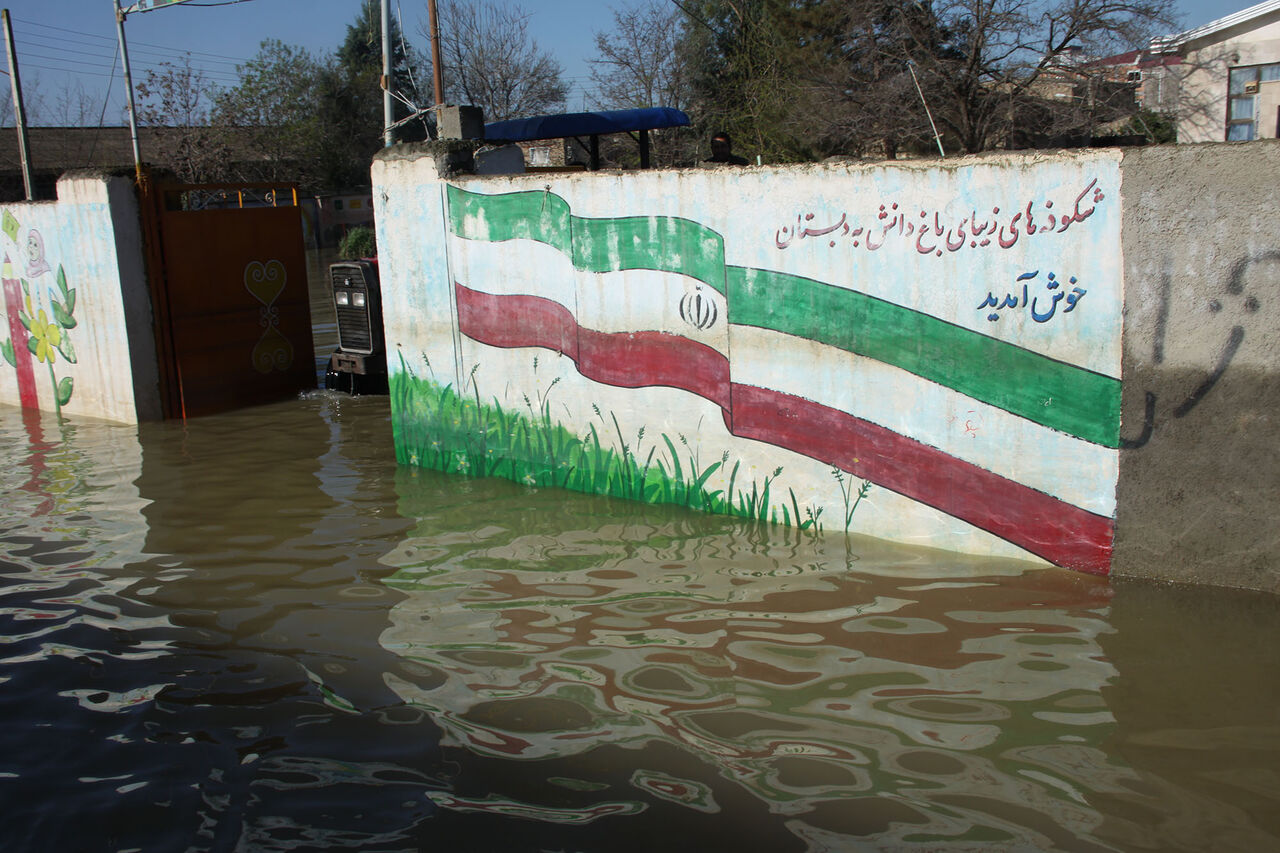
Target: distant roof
{"type": "Point", "coordinates": [1173, 42]}
{"type": "Point", "coordinates": [586, 124]}
{"type": "Point", "coordinates": [1134, 59]}
{"type": "Point", "coordinates": [59, 149]}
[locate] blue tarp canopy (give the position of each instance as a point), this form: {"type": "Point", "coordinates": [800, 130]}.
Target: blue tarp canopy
{"type": "Point", "coordinates": [585, 124]}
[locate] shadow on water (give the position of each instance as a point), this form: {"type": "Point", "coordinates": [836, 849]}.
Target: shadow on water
{"type": "Point", "coordinates": [255, 632]}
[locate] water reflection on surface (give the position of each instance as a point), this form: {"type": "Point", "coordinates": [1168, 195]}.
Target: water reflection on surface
{"type": "Point", "coordinates": [254, 631]}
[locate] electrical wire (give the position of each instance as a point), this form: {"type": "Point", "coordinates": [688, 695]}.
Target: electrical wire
{"type": "Point", "coordinates": [135, 46]}
{"type": "Point", "coordinates": [106, 99]}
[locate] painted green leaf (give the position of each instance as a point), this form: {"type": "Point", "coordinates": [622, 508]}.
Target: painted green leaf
{"type": "Point", "coordinates": [10, 226]}
{"type": "Point", "coordinates": [62, 280]}
{"type": "Point", "coordinates": [64, 390]}
{"type": "Point", "coordinates": [33, 345]}
{"type": "Point", "coordinates": [24, 320]}
{"type": "Point", "coordinates": [71, 300]}
{"type": "Point", "coordinates": [6, 347]}
{"type": "Point", "coordinates": [62, 316]}
{"type": "Point", "coordinates": [67, 350]}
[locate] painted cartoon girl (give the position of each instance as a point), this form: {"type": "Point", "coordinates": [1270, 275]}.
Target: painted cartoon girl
{"type": "Point", "coordinates": [36, 264]}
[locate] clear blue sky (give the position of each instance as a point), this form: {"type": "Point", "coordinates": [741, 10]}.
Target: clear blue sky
{"type": "Point", "coordinates": [69, 43]}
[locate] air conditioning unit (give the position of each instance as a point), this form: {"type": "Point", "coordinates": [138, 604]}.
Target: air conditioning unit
{"type": "Point", "coordinates": [359, 364]}
{"type": "Point", "coordinates": [1251, 88]}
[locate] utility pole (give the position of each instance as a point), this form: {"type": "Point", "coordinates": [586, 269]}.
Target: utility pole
{"type": "Point", "coordinates": [433, 21]}
{"type": "Point", "coordinates": [19, 114]}
{"type": "Point", "coordinates": [388, 103]}
{"type": "Point", "coordinates": [121, 14]}
{"type": "Point", "coordinates": [128, 86]}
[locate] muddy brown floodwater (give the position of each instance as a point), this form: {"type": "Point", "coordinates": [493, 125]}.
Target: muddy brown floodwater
{"type": "Point", "coordinates": [255, 632]}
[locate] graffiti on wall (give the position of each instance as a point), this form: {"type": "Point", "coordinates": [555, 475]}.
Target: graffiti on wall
{"type": "Point", "coordinates": [651, 302]}
{"type": "Point", "coordinates": [40, 309]}
{"type": "Point", "coordinates": [1241, 303]}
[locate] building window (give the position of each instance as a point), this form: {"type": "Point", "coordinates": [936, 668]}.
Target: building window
{"type": "Point", "coordinates": [1242, 89]}
{"type": "Point", "coordinates": [1134, 77]}
{"type": "Point", "coordinates": [1242, 99]}
{"type": "Point", "coordinates": [540, 156]}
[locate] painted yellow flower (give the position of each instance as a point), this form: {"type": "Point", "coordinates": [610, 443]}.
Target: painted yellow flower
{"type": "Point", "coordinates": [48, 336]}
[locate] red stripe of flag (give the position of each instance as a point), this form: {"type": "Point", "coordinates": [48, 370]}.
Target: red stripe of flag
{"type": "Point", "coordinates": [1062, 533]}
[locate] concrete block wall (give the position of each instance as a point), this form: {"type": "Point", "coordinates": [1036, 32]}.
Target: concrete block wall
{"type": "Point", "coordinates": [1199, 480]}
{"type": "Point", "coordinates": [77, 334]}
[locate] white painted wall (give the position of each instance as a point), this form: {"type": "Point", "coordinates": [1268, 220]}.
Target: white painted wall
{"type": "Point", "coordinates": [802, 230]}
{"type": "Point", "coordinates": [92, 234]}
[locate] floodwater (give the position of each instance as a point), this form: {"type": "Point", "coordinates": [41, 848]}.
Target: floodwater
{"type": "Point", "coordinates": [255, 632]}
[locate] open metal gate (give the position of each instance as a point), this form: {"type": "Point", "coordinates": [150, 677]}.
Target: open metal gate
{"type": "Point", "coordinates": [229, 293]}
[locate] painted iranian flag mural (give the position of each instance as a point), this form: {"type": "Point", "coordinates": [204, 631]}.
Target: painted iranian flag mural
{"type": "Point", "coordinates": [939, 346]}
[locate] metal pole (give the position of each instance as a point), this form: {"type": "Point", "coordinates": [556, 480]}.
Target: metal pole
{"type": "Point", "coordinates": [436, 73]}
{"type": "Point", "coordinates": [19, 114]}
{"type": "Point", "coordinates": [388, 102]}
{"type": "Point", "coordinates": [937, 137]}
{"type": "Point", "coordinates": [128, 85]}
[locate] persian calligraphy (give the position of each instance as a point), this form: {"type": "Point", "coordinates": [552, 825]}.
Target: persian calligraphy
{"type": "Point", "coordinates": [930, 233]}
{"type": "Point", "coordinates": [1041, 312]}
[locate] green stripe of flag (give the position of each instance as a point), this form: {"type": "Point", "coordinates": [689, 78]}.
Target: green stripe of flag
{"type": "Point", "coordinates": [541, 216]}
{"type": "Point", "coordinates": [1061, 396]}
{"type": "Point", "coordinates": [663, 243]}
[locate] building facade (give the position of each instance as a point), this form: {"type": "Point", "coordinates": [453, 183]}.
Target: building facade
{"type": "Point", "coordinates": [1228, 76]}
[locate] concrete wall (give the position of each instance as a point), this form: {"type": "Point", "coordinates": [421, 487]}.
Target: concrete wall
{"type": "Point", "coordinates": [1199, 479]}
{"type": "Point", "coordinates": [77, 333]}
{"type": "Point", "coordinates": [925, 354]}
{"type": "Point", "coordinates": [840, 346]}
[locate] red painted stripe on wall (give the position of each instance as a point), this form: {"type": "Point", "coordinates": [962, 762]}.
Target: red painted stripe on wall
{"type": "Point", "coordinates": [1061, 533]}
{"type": "Point", "coordinates": [516, 321]}
{"type": "Point", "coordinates": [1055, 530]}
{"type": "Point", "coordinates": [640, 359]}
{"type": "Point", "coordinates": [27, 397]}
{"type": "Point", "coordinates": [623, 359]}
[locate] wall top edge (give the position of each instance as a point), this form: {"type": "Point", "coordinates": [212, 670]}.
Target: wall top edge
{"type": "Point", "coordinates": [452, 160]}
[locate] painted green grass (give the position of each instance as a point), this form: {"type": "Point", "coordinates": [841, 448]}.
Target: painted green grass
{"type": "Point", "coordinates": [459, 433]}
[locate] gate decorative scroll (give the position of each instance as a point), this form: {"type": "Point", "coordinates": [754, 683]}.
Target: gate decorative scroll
{"type": "Point", "coordinates": [266, 282]}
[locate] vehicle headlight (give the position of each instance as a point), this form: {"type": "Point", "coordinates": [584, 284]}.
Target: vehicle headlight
{"type": "Point", "coordinates": [357, 299]}
{"type": "Point", "coordinates": [342, 297]}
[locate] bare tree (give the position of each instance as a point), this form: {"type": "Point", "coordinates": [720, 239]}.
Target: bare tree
{"type": "Point", "coordinates": [1000, 53]}
{"type": "Point", "coordinates": [32, 101]}
{"type": "Point", "coordinates": [178, 96]}
{"type": "Point", "coordinates": [74, 107]}
{"type": "Point", "coordinates": [490, 61]}
{"type": "Point", "coordinates": [638, 63]}
{"type": "Point", "coordinates": [847, 72]}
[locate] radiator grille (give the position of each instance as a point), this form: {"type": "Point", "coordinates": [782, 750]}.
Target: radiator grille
{"type": "Point", "coordinates": [355, 333]}
{"type": "Point", "coordinates": [353, 329]}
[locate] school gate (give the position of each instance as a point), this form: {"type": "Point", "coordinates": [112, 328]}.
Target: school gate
{"type": "Point", "coordinates": [228, 281]}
